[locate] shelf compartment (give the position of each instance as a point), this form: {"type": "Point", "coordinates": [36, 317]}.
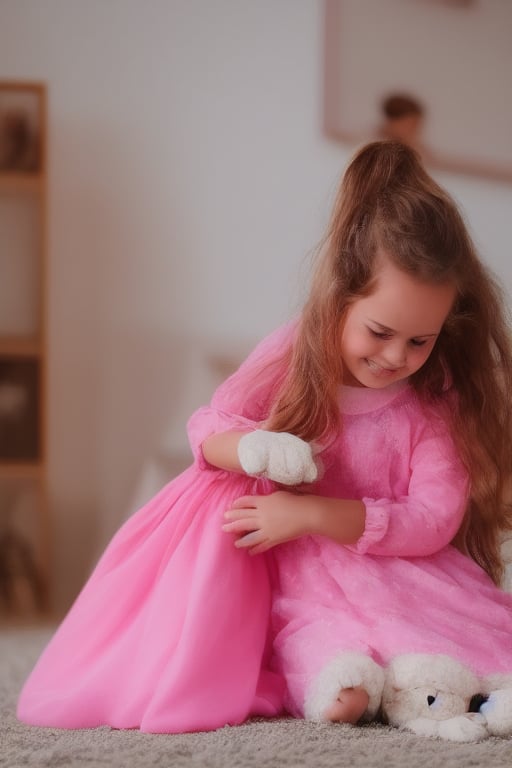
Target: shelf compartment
{"type": "Point", "coordinates": [20, 266]}
{"type": "Point", "coordinates": [23, 550]}
{"type": "Point", "coordinates": [20, 409]}
{"type": "Point", "coordinates": [21, 124]}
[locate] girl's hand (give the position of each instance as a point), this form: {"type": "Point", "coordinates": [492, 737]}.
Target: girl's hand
{"type": "Point", "coordinates": [264, 521]}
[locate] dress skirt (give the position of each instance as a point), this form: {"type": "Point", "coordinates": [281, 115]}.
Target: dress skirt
{"type": "Point", "coordinates": [169, 634]}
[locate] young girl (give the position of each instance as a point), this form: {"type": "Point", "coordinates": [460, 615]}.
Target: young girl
{"type": "Point", "coordinates": [384, 409]}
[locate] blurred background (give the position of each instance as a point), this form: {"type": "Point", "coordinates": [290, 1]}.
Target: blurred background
{"type": "Point", "coordinates": [189, 178]}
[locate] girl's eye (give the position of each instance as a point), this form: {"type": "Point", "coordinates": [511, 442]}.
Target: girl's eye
{"type": "Point", "coordinates": [379, 334]}
{"type": "Point", "coordinates": [385, 335]}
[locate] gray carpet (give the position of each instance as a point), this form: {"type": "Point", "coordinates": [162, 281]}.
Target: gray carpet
{"type": "Point", "coordinates": [257, 744]}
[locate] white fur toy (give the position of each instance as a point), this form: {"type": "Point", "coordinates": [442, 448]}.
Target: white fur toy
{"type": "Point", "coordinates": [278, 456]}
{"type": "Point", "coordinates": [431, 695]}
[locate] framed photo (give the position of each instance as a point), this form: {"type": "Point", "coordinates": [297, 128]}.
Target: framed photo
{"type": "Point", "coordinates": [435, 71]}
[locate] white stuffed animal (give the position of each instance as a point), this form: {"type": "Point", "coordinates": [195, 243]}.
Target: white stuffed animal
{"type": "Point", "coordinates": [279, 456]}
{"type": "Point", "coordinates": [434, 695]}
{"type": "Point", "coordinates": [431, 695]}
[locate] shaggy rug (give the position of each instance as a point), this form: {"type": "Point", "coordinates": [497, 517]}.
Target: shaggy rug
{"type": "Point", "coordinates": [257, 744]}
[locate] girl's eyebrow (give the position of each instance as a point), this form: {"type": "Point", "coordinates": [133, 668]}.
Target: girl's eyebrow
{"type": "Point", "coordinates": [391, 330]}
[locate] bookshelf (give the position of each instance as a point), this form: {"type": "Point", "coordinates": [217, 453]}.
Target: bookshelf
{"type": "Point", "coordinates": [24, 515]}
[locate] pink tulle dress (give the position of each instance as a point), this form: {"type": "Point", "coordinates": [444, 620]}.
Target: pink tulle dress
{"type": "Point", "coordinates": [173, 631]}
{"type": "Point", "coordinates": [402, 588]}
{"type": "Point", "coordinates": [170, 633]}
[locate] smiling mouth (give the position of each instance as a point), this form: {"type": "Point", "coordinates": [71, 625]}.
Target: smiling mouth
{"type": "Point", "coordinates": [378, 370]}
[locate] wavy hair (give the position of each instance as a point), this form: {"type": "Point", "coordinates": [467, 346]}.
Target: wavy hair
{"type": "Point", "coordinates": [388, 201]}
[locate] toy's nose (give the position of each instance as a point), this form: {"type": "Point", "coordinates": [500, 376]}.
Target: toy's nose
{"type": "Point", "coordinates": [430, 700]}
{"type": "Point", "coordinates": [476, 702]}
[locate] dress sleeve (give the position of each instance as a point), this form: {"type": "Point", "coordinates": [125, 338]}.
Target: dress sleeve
{"type": "Point", "coordinates": [428, 517]}
{"type": "Point", "coordinates": [244, 400]}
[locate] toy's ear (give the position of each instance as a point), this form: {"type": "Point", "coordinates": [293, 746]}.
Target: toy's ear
{"type": "Point", "coordinates": [476, 702]}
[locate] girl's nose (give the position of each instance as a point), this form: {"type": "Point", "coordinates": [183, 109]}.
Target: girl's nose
{"type": "Point", "coordinates": [396, 354]}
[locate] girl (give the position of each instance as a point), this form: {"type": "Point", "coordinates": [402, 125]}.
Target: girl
{"type": "Point", "coordinates": [400, 369]}
{"type": "Point", "coordinates": [384, 407]}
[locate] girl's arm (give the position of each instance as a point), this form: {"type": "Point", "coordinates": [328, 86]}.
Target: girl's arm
{"type": "Point", "coordinates": [264, 521]}
{"type": "Point", "coordinates": [221, 450]}
{"type": "Point", "coordinates": [241, 403]}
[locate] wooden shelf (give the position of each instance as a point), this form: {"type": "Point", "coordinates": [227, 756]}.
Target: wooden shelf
{"type": "Point", "coordinates": [17, 470]}
{"type": "Point", "coordinates": [17, 346]}
{"type": "Point", "coordinates": [20, 183]}
{"type": "Point", "coordinates": [25, 517]}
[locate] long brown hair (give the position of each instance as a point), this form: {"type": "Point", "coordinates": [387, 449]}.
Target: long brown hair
{"type": "Point", "coordinates": [388, 201]}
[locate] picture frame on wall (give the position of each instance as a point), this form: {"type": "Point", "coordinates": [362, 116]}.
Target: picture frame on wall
{"type": "Point", "coordinates": [434, 73]}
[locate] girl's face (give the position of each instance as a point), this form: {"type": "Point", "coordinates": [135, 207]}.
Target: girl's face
{"type": "Point", "coordinates": [388, 335]}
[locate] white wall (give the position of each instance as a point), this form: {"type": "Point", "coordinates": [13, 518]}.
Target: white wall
{"type": "Point", "coordinates": [189, 180]}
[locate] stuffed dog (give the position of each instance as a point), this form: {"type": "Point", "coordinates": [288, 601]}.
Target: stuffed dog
{"type": "Point", "coordinates": [434, 695]}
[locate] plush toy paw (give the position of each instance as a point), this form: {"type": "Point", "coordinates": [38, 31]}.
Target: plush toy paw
{"type": "Point", "coordinates": [278, 456]}
{"type": "Point", "coordinates": [462, 728]}
{"type": "Point", "coordinates": [347, 670]}
{"type": "Point", "coordinates": [495, 704]}
{"type": "Point", "coordinates": [422, 688]}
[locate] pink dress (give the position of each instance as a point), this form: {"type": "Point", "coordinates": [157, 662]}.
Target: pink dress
{"type": "Point", "coordinates": [402, 588]}
{"type": "Point", "coordinates": [171, 632]}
